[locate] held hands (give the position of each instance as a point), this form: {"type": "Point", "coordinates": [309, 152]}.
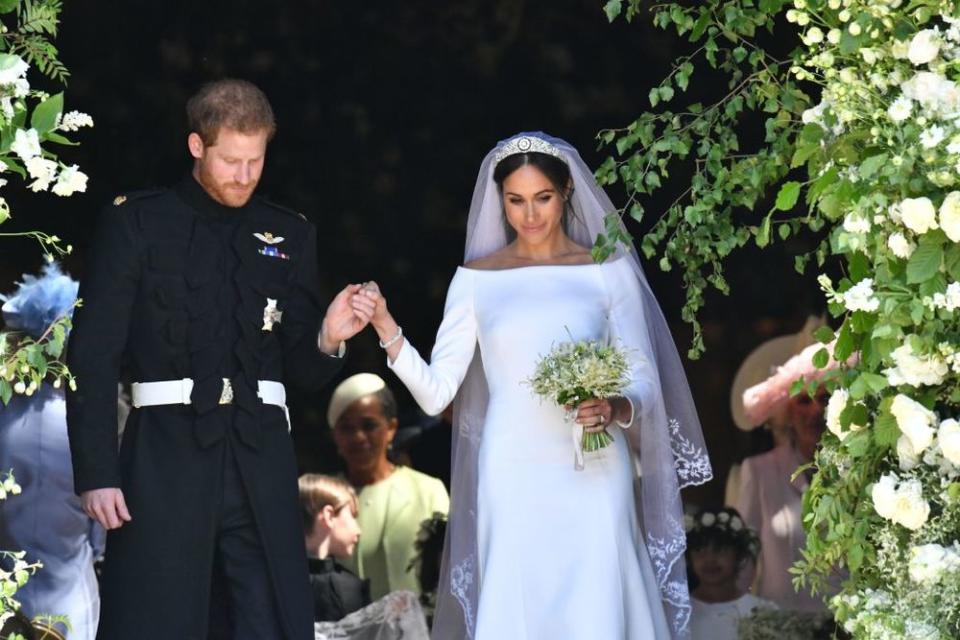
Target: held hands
{"type": "Point", "coordinates": [106, 506]}
{"type": "Point", "coordinates": [341, 322]}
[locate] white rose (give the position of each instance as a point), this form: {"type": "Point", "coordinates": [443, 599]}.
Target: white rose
{"type": "Point", "coordinates": [948, 437]}
{"type": "Point", "coordinates": [813, 36]}
{"type": "Point", "coordinates": [910, 509]}
{"type": "Point", "coordinates": [950, 216]}
{"type": "Point", "coordinates": [70, 181]}
{"type": "Point", "coordinates": [915, 370]}
{"type": "Point", "coordinates": [884, 495]}
{"type": "Point", "coordinates": [899, 245]}
{"type": "Point", "coordinates": [915, 422]}
{"type": "Point", "coordinates": [926, 562]}
{"type": "Point", "coordinates": [900, 109]}
{"type": "Point", "coordinates": [918, 214]}
{"type": "Point", "coordinates": [924, 47]}
{"type": "Point", "coordinates": [856, 224]}
{"type": "Point", "coordinates": [835, 406]}
{"type": "Point", "coordinates": [26, 143]}
{"type": "Point", "coordinates": [908, 458]}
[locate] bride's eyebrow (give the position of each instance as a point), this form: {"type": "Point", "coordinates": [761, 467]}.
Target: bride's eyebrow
{"type": "Point", "coordinates": [538, 193]}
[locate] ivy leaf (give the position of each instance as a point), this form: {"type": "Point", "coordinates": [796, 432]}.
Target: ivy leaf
{"type": "Point", "coordinates": [925, 261]}
{"type": "Point", "coordinates": [787, 196]}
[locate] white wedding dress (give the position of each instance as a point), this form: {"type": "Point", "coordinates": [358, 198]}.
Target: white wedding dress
{"type": "Point", "coordinates": [561, 555]}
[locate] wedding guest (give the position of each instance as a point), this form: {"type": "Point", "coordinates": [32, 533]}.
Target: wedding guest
{"type": "Point", "coordinates": [393, 499]}
{"type": "Point", "coordinates": [770, 497]}
{"type": "Point", "coordinates": [47, 520]}
{"type": "Point", "coordinates": [719, 546]}
{"type": "Point", "coordinates": [331, 530]}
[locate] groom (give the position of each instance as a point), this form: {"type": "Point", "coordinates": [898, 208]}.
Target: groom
{"type": "Point", "coordinates": [206, 298]}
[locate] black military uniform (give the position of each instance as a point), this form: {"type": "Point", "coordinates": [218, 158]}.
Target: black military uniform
{"type": "Point", "coordinates": [181, 288]}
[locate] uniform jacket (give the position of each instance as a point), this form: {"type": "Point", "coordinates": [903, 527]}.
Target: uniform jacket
{"type": "Point", "coordinates": [175, 287]}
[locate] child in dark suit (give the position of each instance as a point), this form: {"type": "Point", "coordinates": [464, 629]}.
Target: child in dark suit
{"type": "Point", "coordinates": [329, 507]}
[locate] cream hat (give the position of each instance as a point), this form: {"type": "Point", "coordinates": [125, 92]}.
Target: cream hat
{"type": "Point", "coordinates": [351, 390]}
{"type": "Point", "coordinates": [763, 362]}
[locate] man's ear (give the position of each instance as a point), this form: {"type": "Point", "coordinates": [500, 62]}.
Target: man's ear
{"type": "Point", "coordinates": [196, 146]}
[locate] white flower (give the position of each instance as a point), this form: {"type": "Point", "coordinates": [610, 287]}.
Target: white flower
{"type": "Point", "coordinates": [70, 181]}
{"type": "Point", "coordinates": [910, 509]}
{"type": "Point", "coordinates": [949, 300]}
{"type": "Point", "coordinates": [915, 421]}
{"type": "Point", "coordinates": [884, 495]}
{"type": "Point", "coordinates": [931, 137]}
{"type": "Point", "coordinates": [926, 563]}
{"type": "Point", "coordinates": [813, 36]}
{"type": "Point", "coordinates": [899, 245]}
{"type": "Point", "coordinates": [948, 437]}
{"type": "Point", "coordinates": [934, 92]}
{"type": "Point", "coordinates": [855, 29]}
{"type": "Point", "coordinates": [687, 522]}
{"type": "Point", "coordinates": [708, 519]}
{"type": "Point", "coordinates": [854, 223]}
{"type": "Point", "coordinates": [736, 523]}
{"type": "Point", "coordinates": [833, 36]}
{"type": "Point", "coordinates": [915, 370]}
{"type": "Point", "coordinates": [43, 171]}
{"type": "Point", "coordinates": [900, 109]}
{"type": "Point", "coordinates": [73, 120]}
{"type": "Point", "coordinates": [918, 214]}
{"type": "Point", "coordinates": [907, 457]}
{"type": "Point", "coordinates": [12, 68]}
{"type": "Point", "coordinates": [26, 143]}
{"type": "Point", "coordinates": [19, 387]}
{"type": "Point", "coordinates": [924, 47]}
{"type": "Point", "coordinates": [723, 516]}
{"type": "Point", "coordinates": [950, 215]}
{"type": "Point", "coordinates": [860, 297]}
{"type": "Point", "coordinates": [835, 406]}
{"type": "Point", "coordinates": [900, 49]}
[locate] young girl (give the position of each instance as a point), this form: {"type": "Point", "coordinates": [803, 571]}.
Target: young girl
{"type": "Point", "coordinates": [719, 545]}
{"type": "Point", "coordinates": [329, 507]}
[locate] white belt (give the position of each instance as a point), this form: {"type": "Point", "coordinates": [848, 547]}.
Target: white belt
{"type": "Point", "coordinates": [151, 394]}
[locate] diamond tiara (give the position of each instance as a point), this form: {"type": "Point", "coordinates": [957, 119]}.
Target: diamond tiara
{"type": "Point", "coordinates": [527, 144]}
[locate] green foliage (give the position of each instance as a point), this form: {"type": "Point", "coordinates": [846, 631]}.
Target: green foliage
{"type": "Point", "coordinates": [703, 226]}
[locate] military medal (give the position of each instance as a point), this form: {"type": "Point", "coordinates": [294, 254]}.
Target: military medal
{"type": "Point", "coordinates": [271, 315]}
{"type": "Point", "coordinates": [270, 251]}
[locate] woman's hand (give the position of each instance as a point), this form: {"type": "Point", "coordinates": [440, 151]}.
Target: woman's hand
{"type": "Point", "coordinates": [369, 302]}
{"type": "Point", "coordinates": [596, 415]}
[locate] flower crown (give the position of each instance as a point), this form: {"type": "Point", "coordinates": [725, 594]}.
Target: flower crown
{"type": "Point", "coordinates": [725, 522]}
{"type": "Point", "coordinates": [527, 144]}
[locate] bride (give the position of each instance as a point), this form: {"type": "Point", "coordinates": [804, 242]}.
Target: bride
{"type": "Point", "coordinates": [537, 549]}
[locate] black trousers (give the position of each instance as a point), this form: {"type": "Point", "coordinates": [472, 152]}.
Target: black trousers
{"type": "Point", "coordinates": [242, 603]}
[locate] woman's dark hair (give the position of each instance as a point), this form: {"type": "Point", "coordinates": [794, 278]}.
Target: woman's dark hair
{"type": "Point", "coordinates": [556, 170]}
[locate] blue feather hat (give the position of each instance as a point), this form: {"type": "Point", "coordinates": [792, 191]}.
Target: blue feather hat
{"type": "Point", "coordinates": [38, 301]}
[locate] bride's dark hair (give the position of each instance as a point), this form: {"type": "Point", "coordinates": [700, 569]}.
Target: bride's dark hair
{"type": "Point", "coordinates": [556, 170]}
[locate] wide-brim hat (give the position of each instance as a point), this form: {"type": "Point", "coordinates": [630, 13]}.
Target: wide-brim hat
{"type": "Point", "coordinates": [763, 362]}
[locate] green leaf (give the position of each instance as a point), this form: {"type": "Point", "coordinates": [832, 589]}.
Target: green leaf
{"type": "Point", "coordinates": [824, 335]}
{"type": "Point", "coordinates": [951, 261]}
{"type": "Point", "coordinates": [871, 165]}
{"type": "Point", "coordinates": [925, 261]}
{"type": "Point", "coordinates": [855, 557]}
{"type": "Point", "coordinates": [55, 137]}
{"type": "Point", "coordinates": [845, 343]}
{"type": "Point", "coordinates": [6, 6]}
{"type": "Point", "coordinates": [44, 117]}
{"type": "Point", "coordinates": [612, 9]}
{"type": "Point", "coordinates": [6, 391]}
{"type": "Point", "coordinates": [654, 96]}
{"type": "Point", "coordinates": [787, 196]}
{"type": "Point", "coordinates": [885, 430]}
{"type": "Point", "coordinates": [666, 94]}
{"type": "Point", "coordinates": [821, 358]}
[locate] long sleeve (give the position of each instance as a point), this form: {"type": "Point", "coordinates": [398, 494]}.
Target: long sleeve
{"type": "Point", "coordinates": [97, 345]}
{"type": "Point", "coordinates": [306, 366]}
{"type": "Point", "coordinates": [434, 385]}
{"type": "Point", "coordinates": [628, 331]}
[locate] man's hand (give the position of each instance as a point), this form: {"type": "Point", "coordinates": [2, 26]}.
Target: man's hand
{"type": "Point", "coordinates": [341, 322]}
{"type": "Point", "coordinates": [106, 506]}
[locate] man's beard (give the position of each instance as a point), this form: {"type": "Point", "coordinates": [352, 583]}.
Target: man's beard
{"type": "Point", "coordinates": [229, 194]}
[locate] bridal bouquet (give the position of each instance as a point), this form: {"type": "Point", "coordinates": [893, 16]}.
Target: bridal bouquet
{"type": "Point", "coordinates": [574, 372]}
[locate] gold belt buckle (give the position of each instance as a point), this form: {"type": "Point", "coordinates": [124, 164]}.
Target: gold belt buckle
{"type": "Point", "coordinates": [226, 395]}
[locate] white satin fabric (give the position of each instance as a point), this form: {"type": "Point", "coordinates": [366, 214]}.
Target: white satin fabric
{"type": "Point", "coordinates": [560, 551]}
